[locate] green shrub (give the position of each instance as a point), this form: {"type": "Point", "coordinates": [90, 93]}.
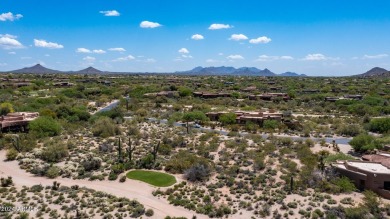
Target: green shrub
{"type": "Point", "coordinates": [381, 125]}
{"type": "Point", "coordinates": [45, 126]}
{"type": "Point", "coordinates": [104, 127]}
{"type": "Point", "coordinates": [365, 142]}
{"type": "Point", "coordinates": [345, 184]}
{"type": "Point", "coordinates": [149, 212]}
{"type": "Point", "coordinates": [54, 152]}
{"type": "Point", "coordinates": [53, 172]}
{"type": "Point", "coordinates": [11, 154]}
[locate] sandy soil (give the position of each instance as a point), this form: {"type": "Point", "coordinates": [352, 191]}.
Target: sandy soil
{"type": "Point", "coordinates": [131, 189]}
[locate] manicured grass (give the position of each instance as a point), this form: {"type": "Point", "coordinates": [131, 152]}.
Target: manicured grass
{"type": "Point", "coordinates": [153, 178]}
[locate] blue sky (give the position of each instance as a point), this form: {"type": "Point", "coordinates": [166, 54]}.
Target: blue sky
{"type": "Point", "coordinates": [311, 37]}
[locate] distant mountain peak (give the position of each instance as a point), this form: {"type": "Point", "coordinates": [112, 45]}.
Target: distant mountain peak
{"type": "Point", "coordinates": [36, 69]}
{"type": "Point", "coordinates": [375, 72]}
{"type": "Point", "coordinates": [89, 70]}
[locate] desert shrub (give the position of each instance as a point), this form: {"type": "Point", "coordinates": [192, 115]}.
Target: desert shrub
{"type": "Point", "coordinates": [183, 161]}
{"type": "Point", "coordinates": [6, 108]}
{"type": "Point", "coordinates": [91, 163]}
{"type": "Point", "coordinates": [345, 184]}
{"type": "Point", "coordinates": [197, 172]}
{"type": "Point", "coordinates": [45, 126]}
{"type": "Point", "coordinates": [365, 142]}
{"type": "Point", "coordinates": [381, 125]}
{"type": "Point", "coordinates": [5, 182]}
{"type": "Point", "coordinates": [53, 172]}
{"type": "Point", "coordinates": [228, 119]}
{"type": "Point", "coordinates": [54, 152]}
{"type": "Point", "coordinates": [184, 91]}
{"type": "Point", "coordinates": [146, 162]}
{"type": "Point", "coordinates": [149, 212]}
{"type": "Point", "coordinates": [349, 130]}
{"type": "Point", "coordinates": [112, 176]}
{"type": "Point", "coordinates": [122, 179]}
{"type": "Point", "coordinates": [105, 127]}
{"type": "Point", "coordinates": [270, 124]}
{"type": "Point", "coordinates": [11, 154]}
{"type": "Point", "coordinates": [339, 156]}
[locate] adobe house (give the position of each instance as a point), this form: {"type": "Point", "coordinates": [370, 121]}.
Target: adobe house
{"type": "Point", "coordinates": [269, 96]}
{"type": "Point", "coordinates": [246, 116]}
{"type": "Point", "coordinates": [17, 121]}
{"type": "Point", "coordinates": [63, 84]}
{"type": "Point", "coordinates": [367, 175]}
{"type": "Point", "coordinates": [353, 97]}
{"type": "Point", "coordinates": [210, 95]}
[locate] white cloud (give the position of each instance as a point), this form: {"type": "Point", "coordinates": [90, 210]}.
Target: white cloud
{"type": "Point", "coordinates": [197, 37]}
{"type": "Point", "coordinates": [187, 56]}
{"type": "Point", "coordinates": [238, 37]}
{"type": "Point", "coordinates": [266, 58]}
{"type": "Point", "coordinates": [83, 50]}
{"type": "Point", "coordinates": [126, 58]}
{"type": "Point", "coordinates": [235, 57]}
{"type": "Point", "coordinates": [89, 59]}
{"type": "Point", "coordinates": [12, 53]}
{"type": "Point", "coordinates": [150, 60]}
{"type": "Point", "coordinates": [49, 45]}
{"type": "Point", "coordinates": [8, 41]}
{"type": "Point", "coordinates": [10, 17]}
{"type": "Point", "coordinates": [117, 49]}
{"type": "Point", "coordinates": [47, 55]}
{"type": "Point", "coordinates": [183, 51]}
{"type": "Point", "coordinates": [315, 57]}
{"type": "Point", "coordinates": [262, 39]}
{"type": "Point", "coordinates": [112, 13]}
{"type": "Point", "coordinates": [219, 26]}
{"type": "Point", "coordinates": [379, 56]}
{"type": "Point", "coordinates": [213, 61]}
{"type": "Point", "coordinates": [149, 24]}
{"type": "Point", "coordinates": [286, 57]}
{"type": "Point", "coordinates": [220, 54]}
{"type": "Point", "coordinates": [98, 51]}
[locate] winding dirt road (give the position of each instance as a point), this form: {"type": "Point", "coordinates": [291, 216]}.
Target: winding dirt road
{"type": "Point", "coordinates": [131, 189]}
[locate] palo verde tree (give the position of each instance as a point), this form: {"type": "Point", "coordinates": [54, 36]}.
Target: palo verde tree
{"type": "Point", "coordinates": [194, 116]}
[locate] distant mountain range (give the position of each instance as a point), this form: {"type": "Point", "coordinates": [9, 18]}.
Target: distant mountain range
{"type": "Point", "coordinates": [243, 71]}
{"type": "Point", "coordinates": [375, 72]}
{"type": "Point", "coordinates": [39, 69]}
{"type": "Point", "coordinates": [222, 70]}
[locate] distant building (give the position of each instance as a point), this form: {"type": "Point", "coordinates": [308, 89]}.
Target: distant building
{"type": "Point", "coordinates": [269, 96]}
{"type": "Point", "coordinates": [367, 175]}
{"type": "Point", "coordinates": [245, 116]}
{"type": "Point", "coordinates": [168, 94]}
{"type": "Point", "coordinates": [63, 84]}
{"type": "Point", "coordinates": [17, 121]}
{"type": "Point", "coordinates": [207, 95]}
{"type": "Point", "coordinates": [345, 97]}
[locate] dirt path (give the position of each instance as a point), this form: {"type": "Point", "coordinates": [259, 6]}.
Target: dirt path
{"type": "Point", "coordinates": [131, 189]}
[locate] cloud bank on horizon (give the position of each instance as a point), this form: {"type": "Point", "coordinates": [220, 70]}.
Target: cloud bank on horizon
{"type": "Point", "coordinates": [169, 37]}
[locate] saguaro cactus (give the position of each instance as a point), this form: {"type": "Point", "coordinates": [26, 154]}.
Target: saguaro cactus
{"type": "Point", "coordinates": [130, 150]}
{"type": "Point", "coordinates": [120, 158]}
{"type": "Point", "coordinates": [155, 150]}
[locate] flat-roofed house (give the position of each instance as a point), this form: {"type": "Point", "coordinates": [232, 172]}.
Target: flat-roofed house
{"type": "Point", "coordinates": [367, 175]}
{"type": "Point", "coordinates": [17, 120]}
